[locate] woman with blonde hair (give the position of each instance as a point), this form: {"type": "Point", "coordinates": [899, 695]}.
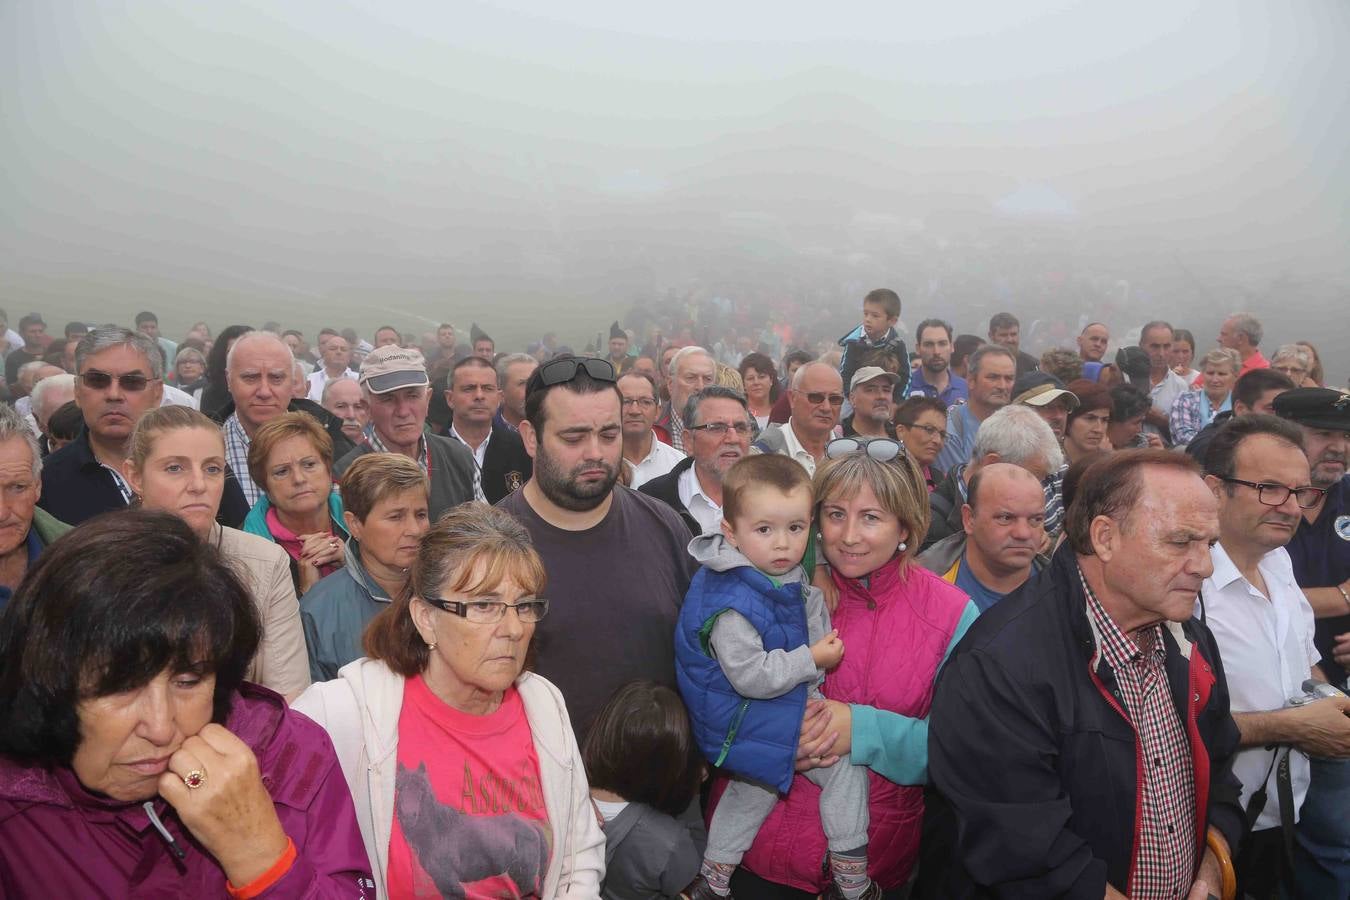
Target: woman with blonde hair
{"type": "Point", "coordinates": [461, 761]}
{"type": "Point", "coordinates": [177, 465]}
{"type": "Point", "coordinates": [898, 622]}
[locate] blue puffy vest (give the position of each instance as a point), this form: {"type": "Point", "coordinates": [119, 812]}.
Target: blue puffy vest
{"type": "Point", "coordinates": [756, 739]}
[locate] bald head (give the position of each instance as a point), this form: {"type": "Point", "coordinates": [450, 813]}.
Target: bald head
{"type": "Point", "coordinates": [1003, 480]}
{"type": "Point", "coordinates": [259, 373]}
{"type": "Point", "coordinates": [1004, 521]}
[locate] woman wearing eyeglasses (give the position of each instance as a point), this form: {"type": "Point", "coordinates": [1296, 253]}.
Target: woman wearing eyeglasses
{"type": "Point", "coordinates": [384, 506]}
{"type": "Point", "coordinates": [463, 764]}
{"type": "Point", "coordinates": [898, 622]}
{"type": "Point", "coordinates": [921, 425]}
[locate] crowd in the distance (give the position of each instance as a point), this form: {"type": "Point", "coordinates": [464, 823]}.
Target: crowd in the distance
{"type": "Point", "coordinates": [406, 617]}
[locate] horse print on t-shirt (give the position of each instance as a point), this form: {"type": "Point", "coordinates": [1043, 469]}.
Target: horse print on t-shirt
{"type": "Point", "coordinates": [456, 849]}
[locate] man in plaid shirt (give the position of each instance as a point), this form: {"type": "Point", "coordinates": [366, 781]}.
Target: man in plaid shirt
{"type": "Point", "coordinates": [1080, 735]}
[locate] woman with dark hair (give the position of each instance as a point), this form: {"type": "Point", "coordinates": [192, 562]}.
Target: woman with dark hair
{"type": "Point", "coordinates": [134, 759]}
{"type": "Point", "coordinates": [1085, 430]}
{"type": "Point", "coordinates": [216, 393]}
{"type": "Point", "coordinates": [444, 707]}
{"type": "Point", "coordinates": [760, 378]}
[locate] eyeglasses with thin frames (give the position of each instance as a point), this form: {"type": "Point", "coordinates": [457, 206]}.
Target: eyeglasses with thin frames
{"type": "Point", "coordinates": [490, 612]}
{"type": "Point", "coordinates": [931, 430]}
{"type": "Point", "coordinates": [1272, 494]}
{"type": "Point", "coordinates": [639, 402]}
{"type": "Point", "coordinates": [131, 382]}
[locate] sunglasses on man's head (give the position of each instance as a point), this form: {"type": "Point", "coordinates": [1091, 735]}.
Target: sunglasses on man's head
{"type": "Point", "coordinates": [132, 382]}
{"type": "Point", "coordinates": [561, 371]}
{"type": "Point", "coordinates": [880, 449]}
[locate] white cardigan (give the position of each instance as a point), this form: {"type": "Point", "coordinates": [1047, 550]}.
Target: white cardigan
{"type": "Point", "coordinates": [360, 709]}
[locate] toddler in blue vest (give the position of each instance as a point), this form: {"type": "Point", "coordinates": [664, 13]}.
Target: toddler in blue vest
{"type": "Point", "coordinates": [751, 647]}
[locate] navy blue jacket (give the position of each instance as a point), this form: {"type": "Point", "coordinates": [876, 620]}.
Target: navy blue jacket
{"type": "Point", "coordinates": [1036, 763]}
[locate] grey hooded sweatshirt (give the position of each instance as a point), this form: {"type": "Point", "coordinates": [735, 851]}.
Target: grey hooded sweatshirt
{"type": "Point", "coordinates": [754, 672]}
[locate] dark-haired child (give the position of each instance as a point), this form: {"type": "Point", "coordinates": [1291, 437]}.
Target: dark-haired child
{"type": "Point", "coordinates": [645, 771]}
{"type": "Point", "coordinates": [876, 334]}
{"type": "Point", "coordinates": [752, 645]}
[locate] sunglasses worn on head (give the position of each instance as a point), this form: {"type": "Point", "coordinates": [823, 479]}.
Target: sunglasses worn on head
{"type": "Point", "coordinates": [561, 371]}
{"type": "Point", "coordinates": [880, 449]}
{"type": "Point", "coordinates": [132, 382]}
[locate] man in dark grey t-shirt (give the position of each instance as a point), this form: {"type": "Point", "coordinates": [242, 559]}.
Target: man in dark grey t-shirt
{"type": "Point", "coordinates": [616, 560]}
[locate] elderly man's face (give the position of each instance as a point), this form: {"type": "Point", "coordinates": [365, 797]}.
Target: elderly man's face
{"type": "Point", "coordinates": [399, 415]}
{"type": "Point", "coordinates": [1326, 449]}
{"type": "Point", "coordinates": [1056, 415]}
{"type": "Point", "coordinates": [345, 400]}
{"type": "Point", "coordinates": [693, 374]}
{"type": "Point", "coordinates": [872, 400]}
{"type": "Point", "coordinates": [513, 392]}
{"type": "Point", "coordinates": [1092, 343]}
{"type": "Point", "coordinates": [126, 739]}
{"type": "Point", "coordinates": [1155, 557]}
{"type": "Point", "coordinates": [53, 398]}
{"type": "Point", "coordinates": [19, 493]}
{"type": "Point", "coordinates": [113, 410]}
{"type": "Point", "coordinates": [992, 385]}
{"type": "Point", "coordinates": [817, 400]}
{"type": "Point", "coordinates": [714, 454]}
{"type": "Point", "coordinates": [1157, 343]}
{"type": "Point", "coordinates": [260, 382]}
{"type": "Point", "coordinates": [1228, 335]}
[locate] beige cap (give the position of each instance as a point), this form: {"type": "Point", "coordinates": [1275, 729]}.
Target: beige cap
{"type": "Point", "coordinates": [867, 373]}
{"type": "Point", "coordinates": [392, 367]}
{"type": "Point", "coordinates": [1044, 395]}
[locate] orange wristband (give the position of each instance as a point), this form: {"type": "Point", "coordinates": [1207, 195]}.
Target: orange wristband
{"type": "Point", "coordinates": [266, 879]}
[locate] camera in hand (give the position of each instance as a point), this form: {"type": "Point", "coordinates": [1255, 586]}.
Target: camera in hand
{"type": "Point", "coordinates": [1314, 691]}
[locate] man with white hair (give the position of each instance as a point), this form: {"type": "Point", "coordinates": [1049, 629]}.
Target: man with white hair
{"type": "Point", "coordinates": [49, 395]}
{"type": "Point", "coordinates": [1015, 434]}
{"type": "Point", "coordinates": [25, 530]}
{"type": "Point", "coordinates": [691, 370]}
{"type": "Point", "coordinates": [1242, 331]}
{"type": "Point", "coordinates": [29, 375]}
{"type": "Point", "coordinates": [258, 373]}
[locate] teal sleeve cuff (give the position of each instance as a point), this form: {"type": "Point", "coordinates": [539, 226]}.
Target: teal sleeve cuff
{"type": "Point", "coordinates": [896, 746]}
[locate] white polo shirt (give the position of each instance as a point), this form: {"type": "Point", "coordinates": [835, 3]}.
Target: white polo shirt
{"type": "Point", "coordinates": [706, 513]}
{"type": "Point", "coordinates": [1267, 651]}
{"type": "Point", "coordinates": [658, 461]}
{"type": "Point", "coordinates": [796, 450]}
{"type": "Point", "coordinates": [318, 380]}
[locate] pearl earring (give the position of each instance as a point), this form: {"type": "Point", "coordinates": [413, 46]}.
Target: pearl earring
{"type": "Point", "coordinates": [903, 546]}
{"type": "Point", "coordinates": [431, 645]}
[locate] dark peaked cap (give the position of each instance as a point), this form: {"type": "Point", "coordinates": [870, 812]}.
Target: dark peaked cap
{"type": "Point", "coordinates": [1315, 407]}
{"type": "Point", "coordinates": [477, 334]}
{"type": "Point", "coordinates": [616, 332]}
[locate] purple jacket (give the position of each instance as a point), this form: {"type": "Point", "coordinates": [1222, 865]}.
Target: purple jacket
{"type": "Point", "coordinates": [59, 840]}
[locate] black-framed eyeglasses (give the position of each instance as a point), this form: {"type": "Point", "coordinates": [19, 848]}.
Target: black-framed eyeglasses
{"type": "Point", "coordinates": [1271, 494]}
{"type": "Point", "coordinates": [880, 449]}
{"type": "Point", "coordinates": [565, 369]}
{"type": "Point", "coordinates": [490, 612]}
{"type": "Point", "coordinates": [720, 429]}
{"type": "Point", "coordinates": [131, 382]}
{"type": "Point", "coordinates": [931, 430]}
{"type": "Point", "coordinates": [815, 398]}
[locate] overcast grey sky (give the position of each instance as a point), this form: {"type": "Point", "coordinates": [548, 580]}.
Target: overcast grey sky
{"type": "Point", "coordinates": [312, 158]}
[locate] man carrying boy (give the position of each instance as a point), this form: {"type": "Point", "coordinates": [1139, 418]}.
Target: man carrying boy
{"type": "Point", "coordinates": [752, 643]}
{"type": "Point", "coordinates": [880, 312]}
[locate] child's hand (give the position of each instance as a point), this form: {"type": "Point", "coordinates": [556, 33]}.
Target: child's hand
{"type": "Point", "coordinates": [827, 651]}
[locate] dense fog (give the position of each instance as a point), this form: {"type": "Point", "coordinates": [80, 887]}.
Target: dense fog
{"type": "Point", "coordinates": [537, 166]}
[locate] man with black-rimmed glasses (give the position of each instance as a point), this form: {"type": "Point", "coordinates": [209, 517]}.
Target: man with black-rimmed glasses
{"type": "Point", "coordinates": [616, 559]}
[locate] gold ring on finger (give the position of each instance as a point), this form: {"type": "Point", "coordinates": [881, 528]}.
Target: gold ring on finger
{"type": "Point", "coordinates": [194, 779]}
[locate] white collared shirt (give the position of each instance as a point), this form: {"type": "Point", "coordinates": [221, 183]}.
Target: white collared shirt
{"type": "Point", "coordinates": [796, 450]}
{"type": "Point", "coordinates": [479, 454]}
{"type": "Point", "coordinates": [706, 513]}
{"type": "Point", "coordinates": [658, 461]}
{"type": "Point", "coordinates": [319, 380]}
{"type": "Point", "coordinates": [1267, 651]}
{"type": "Point", "coordinates": [1165, 393]}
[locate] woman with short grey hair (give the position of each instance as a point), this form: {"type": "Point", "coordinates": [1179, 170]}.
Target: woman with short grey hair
{"type": "Point", "coordinates": [1295, 361]}
{"type": "Point", "coordinates": [1195, 409]}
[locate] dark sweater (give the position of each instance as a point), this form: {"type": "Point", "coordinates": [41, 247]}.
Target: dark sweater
{"type": "Point", "coordinates": [451, 466]}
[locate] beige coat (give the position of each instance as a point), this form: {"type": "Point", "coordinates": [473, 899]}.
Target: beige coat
{"type": "Point", "coordinates": [281, 662]}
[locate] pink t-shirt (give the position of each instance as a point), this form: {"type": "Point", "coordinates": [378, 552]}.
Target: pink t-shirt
{"type": "Point", "coordinates": [469, 815]}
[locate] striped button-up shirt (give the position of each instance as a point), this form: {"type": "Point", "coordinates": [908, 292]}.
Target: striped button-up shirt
{"type": "Point", "coordinates": [236, 454]}
{"type": "Point", "coordinates": [1164, 850]}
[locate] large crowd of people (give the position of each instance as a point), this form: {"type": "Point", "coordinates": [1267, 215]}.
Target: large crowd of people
{"type": "Point", "coordinates": [742, 615]}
